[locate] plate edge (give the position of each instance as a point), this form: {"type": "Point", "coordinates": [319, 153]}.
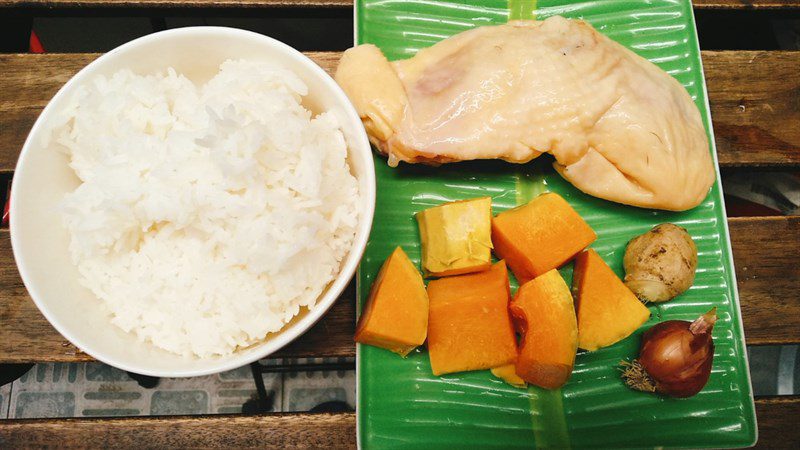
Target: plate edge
{"type": "Point", "coordinates": [718, 182]}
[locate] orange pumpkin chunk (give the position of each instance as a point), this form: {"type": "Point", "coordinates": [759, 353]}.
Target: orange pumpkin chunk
{"type": "Point", "coordinates": [608, 311]}
{"type": "Point", "coordinates": [539, 236]}
{"type": "Point", "coordinates": [469, 326]}
{"type": "Point", "coordinates": [396, 313]}
{"type": "Point", "coordinates": [543, 314]}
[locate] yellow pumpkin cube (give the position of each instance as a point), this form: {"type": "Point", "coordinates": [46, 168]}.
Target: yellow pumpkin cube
{"type": "Point", "coordinates": [456, 237]}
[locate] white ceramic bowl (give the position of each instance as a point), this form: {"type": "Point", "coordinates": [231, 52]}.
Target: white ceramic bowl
{"type": "Point", "coordinates": [42, 178]}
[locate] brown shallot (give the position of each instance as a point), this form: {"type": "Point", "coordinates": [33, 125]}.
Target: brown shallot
{"type": "Point", "coordinates": [674, 359]}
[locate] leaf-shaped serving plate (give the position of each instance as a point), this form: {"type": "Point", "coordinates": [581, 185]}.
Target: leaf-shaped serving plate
{"type": "Point", "coordinates": [401, 404]}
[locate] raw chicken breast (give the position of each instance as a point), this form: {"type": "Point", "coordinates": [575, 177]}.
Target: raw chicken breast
{"type": "Point", "coordinates": [618, 126]}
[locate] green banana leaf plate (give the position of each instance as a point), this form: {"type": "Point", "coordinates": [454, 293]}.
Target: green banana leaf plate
{"type": "Point", "coordinates": [402, 405]}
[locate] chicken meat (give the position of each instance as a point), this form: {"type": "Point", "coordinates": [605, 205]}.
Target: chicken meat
{"type": "Point", "coordinates": [618, 127]}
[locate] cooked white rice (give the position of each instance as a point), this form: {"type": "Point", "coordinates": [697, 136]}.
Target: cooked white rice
{"type": "Point", "coordinates": [208, 215]}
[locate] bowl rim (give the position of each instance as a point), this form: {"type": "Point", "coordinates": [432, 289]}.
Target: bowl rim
{"type": "Point", "coordinates": [327, 298]}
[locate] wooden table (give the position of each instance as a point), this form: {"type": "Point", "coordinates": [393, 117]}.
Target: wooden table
{"type": "Point", "coordinates": [755, 105]}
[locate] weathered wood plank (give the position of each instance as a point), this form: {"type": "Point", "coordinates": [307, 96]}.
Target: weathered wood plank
{"type": "Point", "coordinates": [776, 421]}
{"type": "Point", "coordinates": [765, 250]}
{"type": "Point", "coordinates": [756, 118]}
{"type": "Point", "coordinates": [765, 253]}
{"type": "Point", "coordinates": [279, 431]}
{"type": "Point", "coordinates": [77, 4]}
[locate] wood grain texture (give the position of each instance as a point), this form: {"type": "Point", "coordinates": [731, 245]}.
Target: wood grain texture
{"type": "Point", "coordinates": [776, 421]}
{"type": "Point", "coordinates": [178, 4]}
{"type": "Point", "coordinates": [756, 117]}
{"type": "Point", "coordinates": [278, 431]}
{"type": "Point", "coordinates": [765, 253]}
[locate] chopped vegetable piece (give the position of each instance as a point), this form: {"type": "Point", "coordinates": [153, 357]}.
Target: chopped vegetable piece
{"type": "Point", "coordinates": [508, 373]}
{"type": "Point", "coordinates": [543, 314]}
{"type": "Point", "coordinates": [456, 237]}
{"type": "Point", "coordinates": [469, 326]}
{"type": "Point", "coordinates": [608, 311]}
{"type": "Point", "coordinates": [396, 314]}
{"type": "Point", "coordinates": [539, 236]}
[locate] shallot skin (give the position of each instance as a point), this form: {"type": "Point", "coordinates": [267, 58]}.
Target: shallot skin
{"type": "Point", "coordinates": [677, 360]}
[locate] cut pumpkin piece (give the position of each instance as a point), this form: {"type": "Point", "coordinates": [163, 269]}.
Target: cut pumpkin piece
{"type": "Point", "coordinates": [608, 311]}
{"type": "Point", "coordinates": [508, 373]}
{"type": "Point", "coordinates": [539, 236]}
{"type": "Point", "coordinates": [456, 237]}
{"type": "Point", "coordinates": [469, 326]}
{"type": "Point", "coordinates": [395, 316]}
{"type": "Point", "coordinates": [544, 316]}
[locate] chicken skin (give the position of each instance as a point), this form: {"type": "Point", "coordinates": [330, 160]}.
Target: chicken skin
{"type": "Point", "coordinates": [618, 127]}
